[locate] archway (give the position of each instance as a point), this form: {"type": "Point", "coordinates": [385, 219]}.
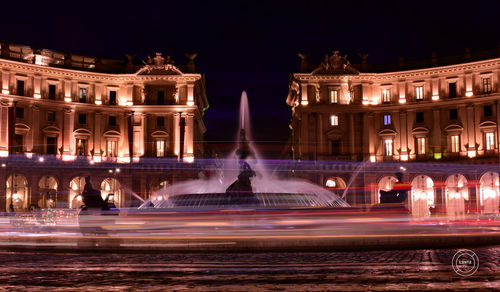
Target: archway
{"type": "Point", "coordinates": [422, 196]}
{"type": "Point", "coordinates": [157, 187]}
{"type": "Point", "coordinates": [456, 193]}
{"type": "Point", "coordinates": [489, 192]}
{"type": "Point", "coordinates": [17, 193]}
{"type": "Point", "coordinates": [386, 183]}
{"type": "Point", "coordinates": [336, 184]}
{"type": "Point", "coordinates": [75, 192]}
{"type": "Point", "coordinates": [47, 186]}
{"type": "Point", "coordinates": [111, 186]}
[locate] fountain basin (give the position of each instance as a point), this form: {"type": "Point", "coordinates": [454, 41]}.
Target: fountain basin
{"type": "Point", "coordinates": [225, 200]}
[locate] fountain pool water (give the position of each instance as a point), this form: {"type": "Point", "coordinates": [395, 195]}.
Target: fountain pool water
{"type": "Point", "coordinates": [243, 180]}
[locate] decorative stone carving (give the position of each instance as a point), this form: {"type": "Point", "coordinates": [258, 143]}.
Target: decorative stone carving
{"type": "Point", "coordinates": [335, 64]}
{"type": "Point", "coordinates": [159, 66]}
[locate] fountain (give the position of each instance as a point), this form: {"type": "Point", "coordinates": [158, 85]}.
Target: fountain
{"type": "Point", "coordinates": [242, 181]}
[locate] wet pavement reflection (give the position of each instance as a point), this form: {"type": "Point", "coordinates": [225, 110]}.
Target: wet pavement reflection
{"type": "Point", "coordinates": [348, 271]}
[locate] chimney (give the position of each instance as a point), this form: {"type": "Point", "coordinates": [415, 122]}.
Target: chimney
{"type": "Point", "coordinates": [67, 60]}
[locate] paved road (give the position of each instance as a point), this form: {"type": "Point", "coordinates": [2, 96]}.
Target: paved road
{"type": "Point", "coordinates": [350, 271]}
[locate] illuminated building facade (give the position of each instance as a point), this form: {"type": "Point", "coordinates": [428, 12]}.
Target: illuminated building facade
{"type": "Point", "coordinates": [441, 114]}
{"type": "Point", "coordinates": [101, 112]}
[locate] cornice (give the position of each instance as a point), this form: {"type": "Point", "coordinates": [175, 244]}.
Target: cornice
{"type": "Point", "coordinates": [94, 76]}
{"type": "Point", "coordinates": [425, 73]}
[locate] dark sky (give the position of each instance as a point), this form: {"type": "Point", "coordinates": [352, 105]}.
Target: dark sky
{"type": "Point", "coordinates": [253, 45]}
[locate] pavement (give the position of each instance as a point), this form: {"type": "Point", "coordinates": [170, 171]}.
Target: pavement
{"type": "Point", "coordinates": [398, 270]}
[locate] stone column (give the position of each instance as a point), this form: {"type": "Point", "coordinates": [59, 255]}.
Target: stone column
{"type": "Point", "coordinates": [470, 128]}
{"type": "Point", "coordinates": [188, 136]}
{"type": "Point", "coordinates": [5, 82]}
{"type": "Point", "coordinates": [190, 94]}
{"type": "Point", "coordinates": [35, 128]}
{"type": "Point", "coordinates": [403, 133]}
{"type": "Point", "coordinates": [4, 127]}
{"type": "Point", "coordinates": [436, 132]}
{"type": "Point", "coordinates": [97, 133]}
{"type": "Point", "coordinates": [176, 130]}
{"type": "Point", "coordinates": [69, 117]}
{"type": "Point", "coordinates": [145, 136]}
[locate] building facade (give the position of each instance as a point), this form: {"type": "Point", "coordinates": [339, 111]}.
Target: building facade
{"type": "Point", "coordinates": [437, 114]}
{"type": "Point", "coordinates": [74, 109]}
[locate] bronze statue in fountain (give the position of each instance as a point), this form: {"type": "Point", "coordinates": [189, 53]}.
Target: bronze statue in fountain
{"type": "Point", "coordinates": [240, 192]}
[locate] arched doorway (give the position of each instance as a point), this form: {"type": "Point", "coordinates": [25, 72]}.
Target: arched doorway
{"type": "Point", "coordinates": [336, 184]}
{"type": "Point", "coordinates": [456, 193]}
{"type": "Point", "coordinates": [76, 187]}
{"type": "Point", "coordinates": [111, 186]}
{"type": "Point", "coordinates": [422, 196]}
{"type": "Point", "coordinates": [47, 186]}
{"type": "Point", "coordinates": [17, 193]}
{"type": "Point", "coordinates": [156, 189]}
{"type": "Point", "coordinates": [386, 183]}
{"type": "Point", "coordinates": [489, 192]}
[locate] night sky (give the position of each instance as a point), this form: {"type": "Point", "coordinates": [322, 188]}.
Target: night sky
{"type": "Point", "coordinates": [252, 45]}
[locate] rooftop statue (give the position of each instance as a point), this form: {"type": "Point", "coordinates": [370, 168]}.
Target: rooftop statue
{"type": "Point", "coordinates": [335, 64]}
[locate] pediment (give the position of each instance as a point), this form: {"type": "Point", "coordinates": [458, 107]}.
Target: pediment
{"type": "Point", "coordinates": [159, 134]}
{"type": "Point", "coordinates": [453, 127]}
{"type": "Point", "coordinates": [111, 133]}
{"type": "Point", "coordinates": [51, 130]}
{"type": "Point", "coordinates": [334, 133]}
{"type": "Point", "coordinates": [487, 124]}
{"type": "Point", "coordinates": [22, 127]}
{"type": "Point", "coordinates": [420, 130]}
{"type": "Point", "coordinates": [387, 132]}
{"type": "Point", "coordinates": [83, 132]}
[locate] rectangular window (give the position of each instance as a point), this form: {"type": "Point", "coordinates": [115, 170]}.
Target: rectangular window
{"type": "Point", "coordinates": [388, 147]}
{"type": "Point", "coordinates": [487, 85]}
{"type": "Point", "coordinates": [111, 148]}
{"type": "Point", "coordinates": [111, 121]}
{"type": "Point", "coordinates": [160, 148]}
{"type": "Point", "coordinates": [487, 111]}
{"type": "Point", "coordinates": [452, 89]}
{"type": "Point", "coordinates": [82, 94]}
{"type": "Point", "coordinates": [51, 145]}
{"type": "Point", "coordinates": [160, 121]}
{"type": "Point", "coordinates": [420, 117]}
{"type": "Point", "coordinates": [455, 143]}
{"type": "Point", "coordinates": [52, 91]}
{"type": "Point", "coordinates": [386, 96]}
{"type": "Point", "coordinates": [335, 147]}
{"type": "Point", "coordinates": [20, 87]}
{"type": "Point", "coordinates": [161, 97]}
{"type": "Point", "coordinates": [420, 146]}
{"type": "Point", "coordinates": [19, 113]}
{"type": "Point", "coordinates": [51, 116]}
{"type": "Point", "coordinates": [387, 120]}
{"type": "Point", "coordinates": [334, 120]}
{"type": "Point", "coordinates": [490, 141]}
{"type": "Point", "coordinates": [453, 114]}
{"type": "Point", "coordinates": [18, 141]}
{"type": "Point", "coordinates": [334, 96]}
{"type": "Point", "coordinates": [419, 92]}
{"type": "Point", "coordinates": [112, 97]}
{"type": "Point", "coordinates": [82, 119]}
